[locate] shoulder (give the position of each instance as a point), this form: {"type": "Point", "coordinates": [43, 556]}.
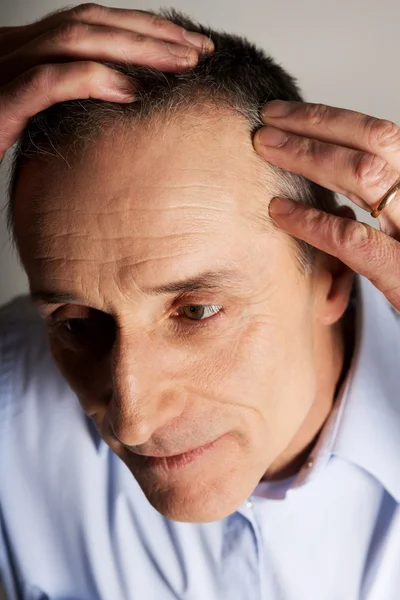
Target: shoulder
{"type": "Point", "coordinates": [19, 323]}
{"type": "Point", "coordinates": [34, 397]}
{"type": "Point", "coordinates": [25, 357]}
{"type": "Point", "coordinates": [22, 344]}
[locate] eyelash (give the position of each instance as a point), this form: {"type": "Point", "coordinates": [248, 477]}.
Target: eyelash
{"type": "Point", "coordinates": [191, 324]}
{"type": "Point", "coordinates": [215, 309]}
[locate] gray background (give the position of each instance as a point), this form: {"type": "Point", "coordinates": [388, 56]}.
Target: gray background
{"type": "Point", "coordinates": [345, 53]}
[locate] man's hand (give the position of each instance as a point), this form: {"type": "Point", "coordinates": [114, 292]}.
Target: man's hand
{"type": "Point", "coordinates": [350, 153]}
{"type": "Point", "coordinates": [53, 59]}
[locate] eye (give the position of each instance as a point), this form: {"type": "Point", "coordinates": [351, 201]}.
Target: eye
{"type": "Point", "coordinates": [76, 326]}
{"type": "Point", "coordinates": [94, 334]}
{"type": "Point", "coordinates": [200, 312]}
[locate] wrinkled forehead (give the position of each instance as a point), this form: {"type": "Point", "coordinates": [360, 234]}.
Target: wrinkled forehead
{"type": "Point", "coordinates": [158, 195]}
{"type": "Point", "coordinates": [144, 205]}
{"type": "Point", "coordinates": [188, 156]}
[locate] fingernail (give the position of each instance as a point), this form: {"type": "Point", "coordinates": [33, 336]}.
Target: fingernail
{"type": "Point", "coordinates": [277, 108]}
{"type": "Point", "coordinates": [269, 136]}
{"type": "Point", "coordinates": [199, 40]}
{"type": "Point", "coordinates": [192, 58]}
{"type": "Point", "coordinates": [188, 56]}
{"type": "Point", "coordinates": [281, 206]}
{"type": "Point", "coordinates": [179, 50]}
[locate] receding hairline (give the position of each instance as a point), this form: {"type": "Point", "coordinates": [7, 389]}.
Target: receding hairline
{"type": "Point", "coordinates": [268, 177]}
{"type": "Point", "coordinates": [238, 70]}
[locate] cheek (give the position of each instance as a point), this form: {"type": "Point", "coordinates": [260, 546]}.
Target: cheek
{"type": "Point", "coordinates": [91, 380]}
{"type": "Point", "coordinates": [266, 380]}
{"type": "Point", "coordinates": [267, 358]}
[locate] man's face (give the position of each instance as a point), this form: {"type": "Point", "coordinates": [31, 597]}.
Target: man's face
{"type": "Point", "coordinates": [230, 360]}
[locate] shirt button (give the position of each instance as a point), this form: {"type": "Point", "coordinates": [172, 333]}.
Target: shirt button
{"type": "Point", "coordinates": [249, 504]}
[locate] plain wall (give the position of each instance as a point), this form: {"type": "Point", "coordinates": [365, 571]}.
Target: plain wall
{"type": "Point", "coordinates": [344, 53]}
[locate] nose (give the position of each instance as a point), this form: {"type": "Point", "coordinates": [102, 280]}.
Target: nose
{"type": "Point", "coordinates": [144, 397]}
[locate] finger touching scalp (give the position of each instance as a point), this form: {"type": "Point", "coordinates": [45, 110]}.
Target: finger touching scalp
{"type": "Point", "coordinates": [363, 248]}
{"type": "Point", "coordinates": [45, 85]}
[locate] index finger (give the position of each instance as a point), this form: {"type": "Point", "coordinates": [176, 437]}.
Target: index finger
{"type": "Point", "coordinates": [363, 248]}
{"type": "Point", "coordinates": [337, 126]}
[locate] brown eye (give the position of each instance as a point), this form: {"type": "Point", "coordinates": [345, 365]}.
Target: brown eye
{"type": "Point", "coordinates": [200, 312]}
{"type": "Point", "coordinates": [193, 311]}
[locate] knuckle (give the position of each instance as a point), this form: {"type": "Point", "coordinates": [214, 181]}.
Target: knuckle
{"type": "Point", "coordinates": [313, 222]}
{"type": "Point", "coordinates": [87, 10]}
{"type": "Point", "coordinates": [372, 170]}
{"type": "Point", "coordinates": [158, 22]}
{"type": "Point", "coordinates": [90, 70]}
{"type": "Point", "coordinates": [361, 240]}
{"type": "Point", "coordinates": [383, 133]}
{"type": "Point", "coordinates": [348, 235]}
{"type": "Point", "coordinates": [70, 32]}
{"type": "Point", "coordinates": [303, 148]}
{"type": "Point", "coordinates": [39, 79]}
{"type": "Point", "coordinates": [316, 113]}
{"type": "Point", "coordinates": [139, 37]}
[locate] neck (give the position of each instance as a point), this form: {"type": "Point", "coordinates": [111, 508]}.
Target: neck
{"type": "Point", "coordinates": [299, 449]}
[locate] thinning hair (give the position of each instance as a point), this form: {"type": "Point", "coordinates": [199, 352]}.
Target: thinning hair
{"type": "Point", "coordinates": [237, 75]}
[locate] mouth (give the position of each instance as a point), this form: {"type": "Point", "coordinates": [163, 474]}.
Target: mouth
{"type": "Point", "coordinates": [174, 461]}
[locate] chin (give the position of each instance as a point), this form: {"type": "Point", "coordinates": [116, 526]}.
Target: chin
{"type": "Point", "coordinates": [208, 488]}
{"type": "Point", "coordinates": [193, 504]}
{"type": "Point", "coordinates": [188, 511]}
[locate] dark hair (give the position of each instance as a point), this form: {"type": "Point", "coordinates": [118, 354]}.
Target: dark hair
{"type": "Point", "coordinates": [237, 74]}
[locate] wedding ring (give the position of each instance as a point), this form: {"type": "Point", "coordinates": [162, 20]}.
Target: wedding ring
{"type": "Point", "coordinates": [387, 198]}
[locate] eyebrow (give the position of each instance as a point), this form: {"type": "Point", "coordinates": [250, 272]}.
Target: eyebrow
{"type": "Point", "coordinates": [212, 280]}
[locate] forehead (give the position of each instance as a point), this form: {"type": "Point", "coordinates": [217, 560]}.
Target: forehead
{"type": "Point", "coordinates": [141, 193]}
{"type": "Point", "coordinates": [128, 162]}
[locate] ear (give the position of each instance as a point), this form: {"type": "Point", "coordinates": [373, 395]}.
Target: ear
{"type": "Point", "coordinates": [333, 281]}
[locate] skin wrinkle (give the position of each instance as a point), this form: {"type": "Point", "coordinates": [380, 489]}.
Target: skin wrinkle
{"type": "Point", "coordinates": [167, 383]}
{"type": "Point", "coordinates": [124, 211]}
{"type": "Point", "coordinates": [118, 238]}
{"type": "Point", "coordinates": [103, 262]}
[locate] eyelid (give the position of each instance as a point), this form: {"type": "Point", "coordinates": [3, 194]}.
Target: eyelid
{"type": "Point", "coordinates": [185, 323]}
{"type": "Point", "coordinates": [200, 297]}
{"type": "Point", "coordinates": [70, 311]}
{"type": "Point", "coordinates": [197, 304]}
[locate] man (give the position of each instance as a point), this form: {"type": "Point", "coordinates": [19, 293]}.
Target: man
{"type": "Point", "coordinates": [239, 431]}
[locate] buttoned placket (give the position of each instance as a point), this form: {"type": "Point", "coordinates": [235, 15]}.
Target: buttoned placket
{"type": "Point", "coordinates": [241, 558]}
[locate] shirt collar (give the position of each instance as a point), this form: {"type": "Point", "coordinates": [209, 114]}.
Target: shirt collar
{"type": "Point", "coordinates": [368, 433]}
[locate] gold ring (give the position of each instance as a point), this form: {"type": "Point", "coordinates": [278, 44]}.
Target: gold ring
{"type": "Point", "coordinates": [388, 197]}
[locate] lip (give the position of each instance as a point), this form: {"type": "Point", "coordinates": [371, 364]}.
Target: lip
{"type": "Point", "coordinates": [176, 461]}
{"type": "Point", "coordinates": [188, 451]}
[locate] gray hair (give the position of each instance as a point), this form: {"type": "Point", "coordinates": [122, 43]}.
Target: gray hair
{"type": "Point", "coordinates": [237, 75]}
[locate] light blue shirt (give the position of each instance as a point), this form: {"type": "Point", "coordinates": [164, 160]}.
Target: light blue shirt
{"type": "Point", "coordinates": [74, 524]}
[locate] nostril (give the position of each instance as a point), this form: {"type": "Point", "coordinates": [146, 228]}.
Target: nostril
{"type": "Point", "coordinates": [130, 432]}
